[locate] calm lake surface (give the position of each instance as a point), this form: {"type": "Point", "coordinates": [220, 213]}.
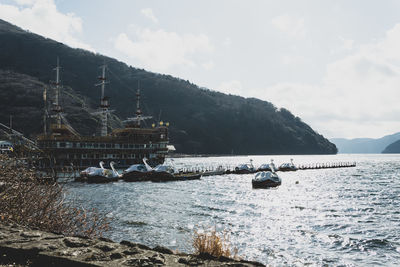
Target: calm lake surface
{"type": "Point", "coordinates": [333, 217]}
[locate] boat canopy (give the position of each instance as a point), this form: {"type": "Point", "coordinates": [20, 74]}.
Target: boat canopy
{"type": "Point", "coordinates": [164, 168]}
{"type": "Point", "coordinates": [136, 167]}
{"type": "Point", "coordinates": [245, 167]}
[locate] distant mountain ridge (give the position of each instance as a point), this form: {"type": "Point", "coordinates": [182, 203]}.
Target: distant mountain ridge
{"type": "Point", "coordinates": [392, 148]}
{"type": "Point", "coordinates": [202, 121]}
{"type": "Point", "coordinates": [364, 145]}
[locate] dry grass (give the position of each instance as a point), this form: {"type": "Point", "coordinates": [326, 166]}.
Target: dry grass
{"type": "Point", "coordinates": [27, 201]}
{"type": "Point", "coordinates": [213, 243]}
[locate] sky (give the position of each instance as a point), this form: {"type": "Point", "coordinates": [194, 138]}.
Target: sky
{"type": "Point", "coordinates": [334, 64]}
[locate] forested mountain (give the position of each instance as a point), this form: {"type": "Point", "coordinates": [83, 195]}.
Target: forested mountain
{"type": "Point", "coordinates": [202, 121]}
{"type": "Point", "coordinates": [364, 145]}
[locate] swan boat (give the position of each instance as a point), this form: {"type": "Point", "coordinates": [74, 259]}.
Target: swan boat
{"type": "Point", "coordinates": [245, 168]}
{"type": "Point", "coordinates": [167, 173]}
{"type": "Point", "coordinates": [102, 175]}
{"type": "Point", "coordinates": [266, 167]}
{"type": "Point", "coordinates": [137, 172]}
{"type": "Point", "coordinates": [287, 167]}
{"type": "Point", "coordinates": [266, 179]}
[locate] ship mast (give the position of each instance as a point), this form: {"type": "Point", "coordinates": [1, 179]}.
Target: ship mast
{"type": "Point", "coordinates": [104, 105]}
{"type": "Point", "coordinates": [45, 111]}
{"type": "Point", "coordinates": [138, 111]}
{"type": "Point", "coordinates": [57, 107]}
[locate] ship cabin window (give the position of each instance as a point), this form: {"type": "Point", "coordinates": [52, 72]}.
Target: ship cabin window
{"type": "Point", "coordinates": [102, 145]}
{"type": "Point", "coordinates": [73, 145]}
{"type": "Point", "coordinates": [62, 144]}
{"type": "Point", "coordinates": [95, 145]}
{"type": "Point", "coordinates": [131, 146]}
{"type": "Point", "coordinates": [108, 145]}
{"type": "Point", "coordinates": [125, 146]}
{"type": "Point", "coordinates": [84, 156]}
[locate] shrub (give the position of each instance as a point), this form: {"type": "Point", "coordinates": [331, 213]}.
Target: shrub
{"type": "Point", "coordinates": [27, 201]}
{"type": "Point", "coordinates": [213, 243]}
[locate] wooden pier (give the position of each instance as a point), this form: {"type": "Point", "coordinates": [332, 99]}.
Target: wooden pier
{"type": "Point", "coordinates": [220, 170]}
{"type": "Point", "coordinates": [327, 165]}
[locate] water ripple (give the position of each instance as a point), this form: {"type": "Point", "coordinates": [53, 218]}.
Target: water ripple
{"type": "Point", "coordinates": [332, 217]}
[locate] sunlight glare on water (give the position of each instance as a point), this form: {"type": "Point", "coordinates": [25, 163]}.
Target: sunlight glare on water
{"type": "Point", "coordinates": [344, 216]}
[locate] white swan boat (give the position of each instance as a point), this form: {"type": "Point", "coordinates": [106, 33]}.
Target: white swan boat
{"type": "Point", "coordinates": [245, 168]}
{"type": "Point", "coordinates": [287, 167]}
{"type": "Point", "coordinates": [137, 172]}
{"type": "Point", "coordinates": [266, 179]}
{"type": "Point", "coordinates": [102, 175]}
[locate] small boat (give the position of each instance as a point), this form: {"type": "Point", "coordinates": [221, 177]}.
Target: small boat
{"type": "Point", "coordinates": [83, 175]}
{"type": "Point", "coordinates": [265, 167]}
{"type": "Point", "coordinates": [218, 171]}
{"type": "Point", "coordinates": [266, 179]}
{"type": "Point", "coordinates": [245, 168]}
{"type": "Point", "coordinates": [101, 175]}
{"type": "Point", "coordinates": [166, 173]}
{"type": "Point", "coordinates": [137, 172]}
{"type": "Point", "coordinates": [287, 167]}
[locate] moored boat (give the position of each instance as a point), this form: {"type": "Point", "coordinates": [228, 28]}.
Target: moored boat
{"type": "Point", "coordinates": [137, 172]}
{"type": "Point", "coordinates": [103, 175]}
{"type": "Point", "coordinates": [265, 167]}
{"type": "Point", "coordinates": [167, 173]}
{"type": "Point", "coordinates": [218, 171]}
{"type": "Point", "coordinates": [287, 167]}
{"type": "Point", "coordinates": [245, 168]}
{"type": "Point", "coordinates": [266, 179]}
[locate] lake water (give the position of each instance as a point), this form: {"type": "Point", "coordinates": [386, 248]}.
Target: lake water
{"type": "Point", "coordinates": [333, 217]}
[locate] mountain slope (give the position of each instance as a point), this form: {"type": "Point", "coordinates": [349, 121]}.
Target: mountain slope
{"type": "Point", "coordinates": [202, 121]}
{"type": "Point", "coordinates": [364, 145]}
{"type": "Point", "coordinates": [392, 148]}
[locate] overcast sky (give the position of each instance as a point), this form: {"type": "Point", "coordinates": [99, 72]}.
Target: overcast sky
{"type": "Point", "coordinates": [335, 64]}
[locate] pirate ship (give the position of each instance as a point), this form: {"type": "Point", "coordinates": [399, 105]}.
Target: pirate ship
{"type": "Point", "coordinates": [129, 145]}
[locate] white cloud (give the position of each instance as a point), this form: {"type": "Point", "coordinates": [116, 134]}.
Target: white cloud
{"type": "Point", "coordinates": [148, 13]}
{"type": "Point", "coordinates": [42, 17]}
{"type": "Point", "coordinates": [227, 42]}
{"type": "Point", "coordinates": [159, 50]}
{"type": "Point", "coordinates": [24, 2]}
{"type": "Point", "coordinates": [347, 44]}
{"type": "Point", "coordinates": [291, 26]}
{"type": "Point", "coordinates": [208, 65]}
{"type": "Point", "coordinates": [359, 94]}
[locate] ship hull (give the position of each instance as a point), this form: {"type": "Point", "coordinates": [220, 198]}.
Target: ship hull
{"type": "Point", "coordinates": [125, 147]}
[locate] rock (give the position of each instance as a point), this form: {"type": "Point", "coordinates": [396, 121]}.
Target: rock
{"type": "Point", "coordinates": [132, 251]}
{"type": "Point", "coordinates": [75, 242]}
{"type": "Point", "coordinates": [19, 246]}
{"type": "Point", "coordinates": [163, 250]}
{"type": "Point", "coordinates": [104, 247]}
{"type": "Point", "coordinates": [116, 256]}
{"type": "Point", "coordinates": [31, 234]}
{"type": "Point", "coordinates": [158, 259]}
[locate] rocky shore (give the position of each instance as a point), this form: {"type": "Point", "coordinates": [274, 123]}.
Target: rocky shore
{"type": "Point", "coordinates": [20, 246]}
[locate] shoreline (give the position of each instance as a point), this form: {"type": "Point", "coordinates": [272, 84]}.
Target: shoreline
{"type": "Point", "coordinates": [23, 246]}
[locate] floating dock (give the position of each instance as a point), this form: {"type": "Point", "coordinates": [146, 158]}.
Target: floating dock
{"type": "Point", "coordinates": [328, 165]}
